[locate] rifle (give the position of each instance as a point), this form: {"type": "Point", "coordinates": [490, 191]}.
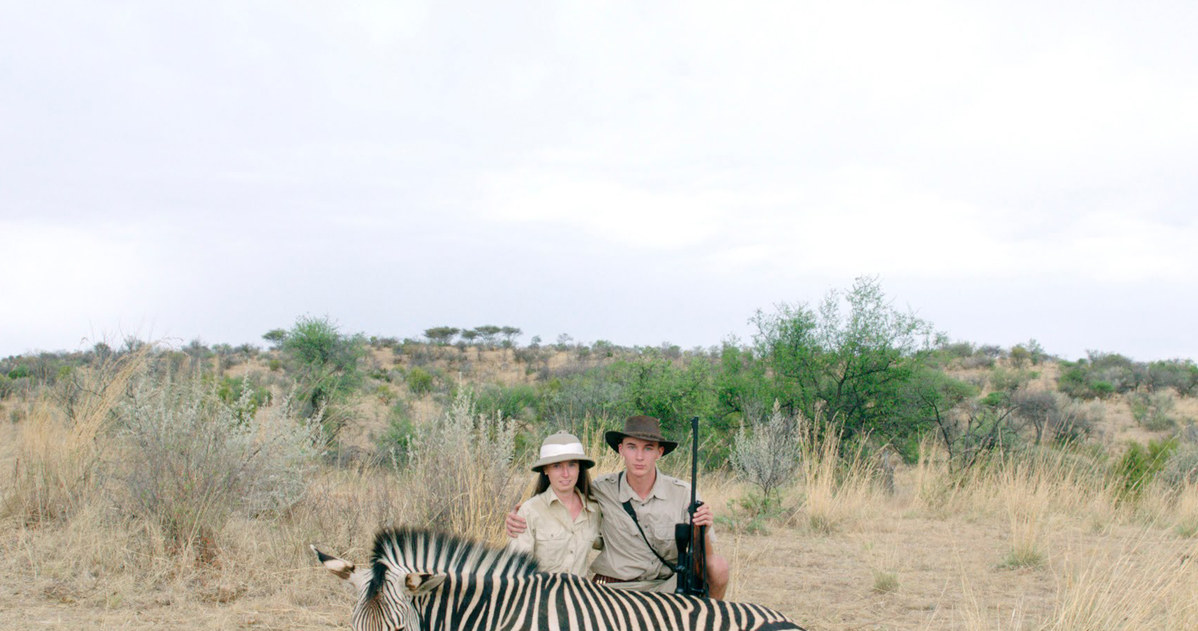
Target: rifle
{"type": "Point", "coordinates": [690, 539]}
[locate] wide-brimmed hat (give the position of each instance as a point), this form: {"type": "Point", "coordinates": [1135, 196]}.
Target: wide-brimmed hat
{"type": "Point", "coordinates": [561, 447]}
{"type": "Point", "coordinates": [642, 427]}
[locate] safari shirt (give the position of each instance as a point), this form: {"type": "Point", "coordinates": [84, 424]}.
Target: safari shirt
{"type": "Point", "coordinates": [624, 555]}
{"type": "Point", "coordinates": [559, 543]}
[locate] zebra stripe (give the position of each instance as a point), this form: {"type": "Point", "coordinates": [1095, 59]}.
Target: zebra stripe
{"type": "Point", "coordinates": [426, 581]}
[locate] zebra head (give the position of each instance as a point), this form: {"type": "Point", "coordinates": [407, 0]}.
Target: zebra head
{"type": "Point", "coordinates": [413, 563]}
{"type": "Point", "coordinates": [384, 601]}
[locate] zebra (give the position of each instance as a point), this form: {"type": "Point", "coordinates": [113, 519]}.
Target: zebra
{"type": "Point", "coordinates": [423, 580]}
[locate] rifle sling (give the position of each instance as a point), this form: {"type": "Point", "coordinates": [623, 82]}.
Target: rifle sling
{"type": "Point", "coordinates": [632, 513]}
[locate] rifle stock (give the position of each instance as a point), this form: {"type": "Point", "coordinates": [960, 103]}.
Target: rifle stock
{"type": "Point", "coordinates": [690, 539]}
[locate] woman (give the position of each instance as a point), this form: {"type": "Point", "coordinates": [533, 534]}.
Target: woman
{"type": "Point", "coordinates": [563, 519]}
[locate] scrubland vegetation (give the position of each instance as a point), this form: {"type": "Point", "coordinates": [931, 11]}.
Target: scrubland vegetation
{"type": "Point", "coordinates": [867, 473]}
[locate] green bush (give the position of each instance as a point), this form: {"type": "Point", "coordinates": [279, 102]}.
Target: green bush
{"type": "Point", "coordinates": [519, 401]}
{"type": "Point", "coordinates": [232, 389]}
{"type": "Point", "coordinates": [656, 386]}
{"type": "Point", "coordinates": [1140, 465]}
{"type": "Point", "coordinates": [1152, 410]}
{"type": "Point", "coordinates": [1100, 375]}
{"type": "Point", "coordinates": [1180, 375]}
{"type": "Point", "coordinates": [419, 380]}
{"type": "Point", "coordinates": [752, 512]}
{"type": "Point", "coordinates": [1102, 389]}
{"type": "Point", "coordinates": [851, 359]}
{"type": "Point", "coordinates": [325, 365]}
{"type": "Point", "coordinates": [396, 443]}
{"type": "Point", "coordinates": [568, 399]}
{"type": "Point", "coordinates": [384, 394]}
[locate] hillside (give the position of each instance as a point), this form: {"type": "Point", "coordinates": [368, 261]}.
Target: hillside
{"type": "Point", "coordinates": [1091, 526]}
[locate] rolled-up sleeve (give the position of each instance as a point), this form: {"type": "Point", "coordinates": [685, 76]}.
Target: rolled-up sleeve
{"type": "Point", "coordinates": [525, 540]}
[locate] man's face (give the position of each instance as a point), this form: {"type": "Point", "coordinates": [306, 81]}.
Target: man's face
{"type": "Point", "coordinates": [640, 456]}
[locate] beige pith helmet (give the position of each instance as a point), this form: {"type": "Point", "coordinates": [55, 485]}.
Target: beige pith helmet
{"type": "Point", "coordinates": [561, 447]}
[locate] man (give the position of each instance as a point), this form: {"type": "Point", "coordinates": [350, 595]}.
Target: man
{"type": "Point", "coordinates": [659, 502]}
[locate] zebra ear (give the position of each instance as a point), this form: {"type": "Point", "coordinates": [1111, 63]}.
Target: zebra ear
{"type": "Point", "coordinates": [422, 583]}
{"type": "Point", "coordinates": [342, 568]}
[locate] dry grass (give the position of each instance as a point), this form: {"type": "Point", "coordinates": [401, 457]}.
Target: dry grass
{"type": "Point", "coordinates": [1036, 542]}
{"type": "Point", "coordinates": [899, 565]}
{"type": "Point", "coordinates": [60, 447]}
{"type": "Point", "coordinates": [837, 492]}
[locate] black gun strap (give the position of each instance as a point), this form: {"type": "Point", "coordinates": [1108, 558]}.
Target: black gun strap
{"type": "Point", "coordinates": [632, 513]}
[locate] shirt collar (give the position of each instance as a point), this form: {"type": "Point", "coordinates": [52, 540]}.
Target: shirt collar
{"type": "Point", "coordinates": [658, 490]}
{"type": "Point", "coordinates": [550, 498]}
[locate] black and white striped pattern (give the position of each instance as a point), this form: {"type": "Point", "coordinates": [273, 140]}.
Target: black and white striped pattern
{"type": "Point", "coordinates": [433, 582]}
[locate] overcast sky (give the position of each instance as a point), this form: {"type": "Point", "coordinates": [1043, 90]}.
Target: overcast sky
{"type": "Point", "coordinates": [638, 172]}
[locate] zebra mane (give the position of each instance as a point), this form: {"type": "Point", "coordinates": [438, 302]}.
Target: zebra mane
{"type": "Point", "coordinates": [431, 552]}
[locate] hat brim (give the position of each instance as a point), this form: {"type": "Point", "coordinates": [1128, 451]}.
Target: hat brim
{"type": "Point", "coordinates": [614, 438]}
{"type": "Point", "coordinates": [584, 463]}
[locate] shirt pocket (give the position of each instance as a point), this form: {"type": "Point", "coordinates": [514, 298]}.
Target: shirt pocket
{"type": "Point", "coordinates": [662, 538]}
{"type": "Point", "coordinates": [552, 544]}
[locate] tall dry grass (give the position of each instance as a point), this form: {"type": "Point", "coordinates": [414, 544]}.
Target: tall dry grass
{"type": "Point", "coordinates": [1036, 488]}
{"type": "Point", "coordinates": [59, 449]}
{"type": "Point", "coordinates": [838, 490]}
{"type": "Point", "coordinates": [1055, 505]}
{"type": "Point", "coordinates": [462, 476]}
{"type": "Point", "coordinates": [1129, 585]}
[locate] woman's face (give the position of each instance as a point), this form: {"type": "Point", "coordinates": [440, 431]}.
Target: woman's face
{"type": "Point", "coordinates": [562, 475]}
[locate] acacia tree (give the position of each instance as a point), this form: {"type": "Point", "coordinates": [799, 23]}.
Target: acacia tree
{"type": "Point", "coordinates": [850, 359]}
{"type": "Point", "coordinates": [441, 335]}
{"type": "Point", "coordinates": [488, 332]}
{"type": "Point", "coordinates": [510, 333]}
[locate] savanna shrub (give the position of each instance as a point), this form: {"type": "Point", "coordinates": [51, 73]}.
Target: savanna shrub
{"type": "Point", "coordinates": [232, 389]}
{"type": "Point", "coordinates": [516, 401]}
{"type": "Point", "coordinates": [325, 363]}
{"type": "Point", "coordinates": [1140, 465]}
{"type": "Point", "coordinates": [192, 460]}
{"type": "Point", "coordinates": [767, 455]}
{"type": "Point", "coordinates": [395, 444]}
{"type": "Point", "coordinates": [1181, 468]}
{"type": "Point", "coordinates": [1180, 375]}
{"type": "Point", "coordinates": [419, 380]}
{"type": "Point", "coordinates": [1152, 410]}
{"type": "Point", "coordinates": [461, 470]}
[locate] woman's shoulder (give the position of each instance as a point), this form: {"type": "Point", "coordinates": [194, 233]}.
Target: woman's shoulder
{"type": "Point", "coordinates": [534, 504]}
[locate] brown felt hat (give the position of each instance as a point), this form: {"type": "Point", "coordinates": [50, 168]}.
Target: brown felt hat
{"type": "Point", "coordinates": [642, 427]}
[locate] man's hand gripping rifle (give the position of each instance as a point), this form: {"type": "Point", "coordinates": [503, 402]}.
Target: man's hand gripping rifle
{"type": "Point", "coordinates": [691, 539]}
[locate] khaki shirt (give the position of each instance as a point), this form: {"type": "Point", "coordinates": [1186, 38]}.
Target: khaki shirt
{"type": "Point", "coordinates": [559, 543]}
{"type": "Point", "coordinates": [625, 555]}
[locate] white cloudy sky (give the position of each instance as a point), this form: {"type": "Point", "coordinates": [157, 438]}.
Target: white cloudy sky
{"type": "Point", "coordinates": [638, 172]}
